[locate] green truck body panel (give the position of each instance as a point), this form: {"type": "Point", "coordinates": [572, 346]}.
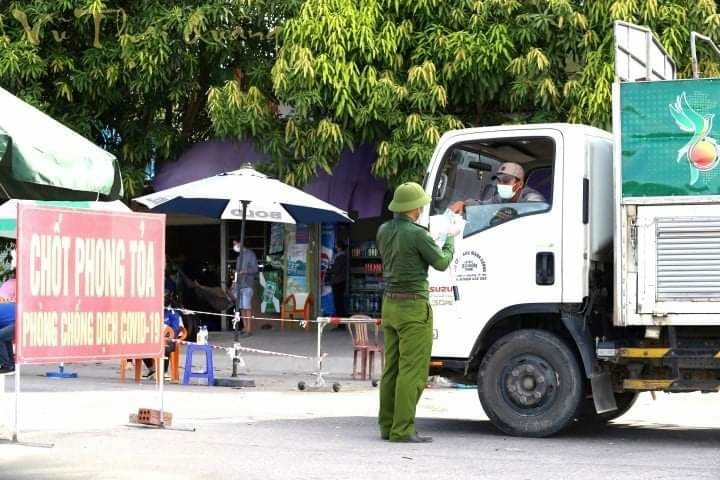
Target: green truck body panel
{"type": "Point", "coordinates": [669, 138]}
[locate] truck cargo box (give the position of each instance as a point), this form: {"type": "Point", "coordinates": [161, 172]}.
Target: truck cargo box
{"type": "Point", "coordinates": [668, 196]}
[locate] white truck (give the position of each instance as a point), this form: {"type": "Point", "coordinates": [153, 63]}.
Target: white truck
{"type": "Point", "coordinates": [565, 309]}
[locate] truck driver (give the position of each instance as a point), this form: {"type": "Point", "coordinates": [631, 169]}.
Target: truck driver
{"type": "Point", "coordinates": [509, 188]}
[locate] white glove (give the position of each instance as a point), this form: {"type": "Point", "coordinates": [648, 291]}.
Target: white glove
{"type": "Point", "coordinates": [454, 230]}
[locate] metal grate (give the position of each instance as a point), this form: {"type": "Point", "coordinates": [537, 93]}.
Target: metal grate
{"type": "Point", "coordinates": [688, 259]}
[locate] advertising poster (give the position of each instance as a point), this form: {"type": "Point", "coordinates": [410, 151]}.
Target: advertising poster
{"type": "Point", "coordinates": [327, 245]}
{"type": "Point", "coordinates": [297, 260]}
{"type": "Point", "coordinates": [90, 285]}
{"type": "Point", "coordinates": [297, 268]}
{"type": "Point", "coordinates": [271, 295]}
{"type": "Point", "coordinates": [277, 238]}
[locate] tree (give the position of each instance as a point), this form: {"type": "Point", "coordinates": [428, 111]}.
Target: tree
{"type": "Point", "coordinates": [133, 75]}
{"type": "Point", "coordinates": [398, 73]}
{"type": "Point", "coordinates": [148, 78]}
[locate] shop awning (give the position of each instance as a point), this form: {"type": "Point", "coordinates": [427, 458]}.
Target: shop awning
{"type": "Point", "coordinates": [206, 159]}
{"type": "Point", "coordinates": [43, 159]}
{"type": "Point", "coordinates": [352, 187]}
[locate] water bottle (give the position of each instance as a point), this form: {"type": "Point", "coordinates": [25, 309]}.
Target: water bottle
{"type": "Point", "coordinates": [202, 335]}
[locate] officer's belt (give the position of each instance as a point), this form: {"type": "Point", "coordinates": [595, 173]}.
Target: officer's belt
{"type": "Point", "coordinates": [404, 296]}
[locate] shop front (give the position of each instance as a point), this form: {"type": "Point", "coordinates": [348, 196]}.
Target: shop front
{"type": "Point", "coordinates": [288, 260]}
{"type": "Point", "coordinates": [352, 187]}
{"type": "Point", "coordinates": [294, 259]}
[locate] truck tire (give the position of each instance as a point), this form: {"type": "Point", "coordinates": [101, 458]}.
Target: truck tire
{"type": "Point", "coordinates": [588, 415]}
{"type": "Point", "coordinates": [530, 384]}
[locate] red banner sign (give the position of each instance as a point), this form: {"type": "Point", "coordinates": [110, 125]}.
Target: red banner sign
{"type": "Point", "coordinates": [90, 285]}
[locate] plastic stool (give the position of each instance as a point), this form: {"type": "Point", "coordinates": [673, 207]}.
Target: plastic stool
{"type": "Point", "coordinates": [209, 372]}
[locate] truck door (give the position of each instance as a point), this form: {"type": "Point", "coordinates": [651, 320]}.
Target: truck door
{"type": "Point", "coordinates": [509, 255]}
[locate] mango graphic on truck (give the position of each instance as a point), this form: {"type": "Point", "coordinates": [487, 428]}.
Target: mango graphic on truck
{"type": "Point", "coordinates": [701, 151]}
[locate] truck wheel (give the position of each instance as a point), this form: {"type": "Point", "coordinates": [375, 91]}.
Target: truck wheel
{"type": "Point", "coordinates": [530, 384]}
{"type": "Point", "coordinates": [624, 401]}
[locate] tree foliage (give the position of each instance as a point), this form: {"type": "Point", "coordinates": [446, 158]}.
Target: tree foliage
{"type": "Point", "coordinates": [148, 78]}
{"type": "Point", "coordinates": [134, 75]}
{"type": "Point", "coordinates": [398, 73]}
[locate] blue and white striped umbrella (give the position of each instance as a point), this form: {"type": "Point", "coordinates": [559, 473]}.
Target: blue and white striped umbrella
{"type": "Point", "coordinates": [221, 197]}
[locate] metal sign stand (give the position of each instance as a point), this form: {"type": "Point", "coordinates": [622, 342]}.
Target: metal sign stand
{"type": "Point", "coordinates": [160, 423]}
{"type": "Point", "coordinates": [14, 439]}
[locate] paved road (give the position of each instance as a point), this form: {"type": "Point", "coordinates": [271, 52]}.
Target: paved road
{"type": "Point", "coordinates": [285, 434]}
{"type": "Point", "coordinates": [276, 432]}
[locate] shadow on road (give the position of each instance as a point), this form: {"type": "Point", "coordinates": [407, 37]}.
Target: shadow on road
{"type": "Point", "coordinates": [645, 432]}
{"type": "Point", "coordinates": [458, 429]}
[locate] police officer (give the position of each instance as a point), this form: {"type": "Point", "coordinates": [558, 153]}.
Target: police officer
{"type": "Point", "coordinates": [407, 250]}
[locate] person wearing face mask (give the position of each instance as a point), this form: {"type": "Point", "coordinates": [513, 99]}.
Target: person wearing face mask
{"type": "Point", "coordinates": [407, 251]}
{"type": "Point", "coordinates": [246, 269]}
{"type": "Point", "coordinates": [509, 188]}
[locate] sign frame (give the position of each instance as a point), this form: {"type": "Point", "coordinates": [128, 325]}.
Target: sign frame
{"type": "Point", "coordinates": [112, 226]}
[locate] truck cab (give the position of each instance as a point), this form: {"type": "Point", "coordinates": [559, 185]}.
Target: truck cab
{"type": "Point", "coordinates": [519, 266]}
{"type": "Point", "coordinates": [524, 258]}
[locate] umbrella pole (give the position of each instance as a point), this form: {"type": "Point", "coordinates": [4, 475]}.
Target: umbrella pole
{"type": "Point", "coordinates": [236, 337]}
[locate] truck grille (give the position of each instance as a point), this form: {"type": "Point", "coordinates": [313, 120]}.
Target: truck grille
{"type": "Point", "coordinates": [688, 259]}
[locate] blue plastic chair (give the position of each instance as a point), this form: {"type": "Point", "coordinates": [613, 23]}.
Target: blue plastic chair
{"type": "Point", "coordinates": [208, 373]}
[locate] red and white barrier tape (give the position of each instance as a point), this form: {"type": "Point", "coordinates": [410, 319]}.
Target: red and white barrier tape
{"type": "Point", "coordinates": [324, 320]}
{"type": "Point", "coordinates": [346, 321]}
{"type": "Point", "coordinates": [231, 350]}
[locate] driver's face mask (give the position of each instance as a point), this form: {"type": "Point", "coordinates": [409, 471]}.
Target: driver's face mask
{"type": "Point", "coordinates": [506, 192]}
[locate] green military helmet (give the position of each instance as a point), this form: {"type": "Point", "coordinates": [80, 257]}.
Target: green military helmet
{"type": "Point", "coordinates": [408, 196]}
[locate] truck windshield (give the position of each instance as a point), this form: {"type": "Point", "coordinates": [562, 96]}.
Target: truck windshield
{"type": "Point", "coordinates": [492, 181]}
{"type": "Point", "coordinates": [482, 217]}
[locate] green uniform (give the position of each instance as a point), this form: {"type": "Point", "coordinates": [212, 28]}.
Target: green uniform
{"type": "Point", "coordinates": [407, 250]}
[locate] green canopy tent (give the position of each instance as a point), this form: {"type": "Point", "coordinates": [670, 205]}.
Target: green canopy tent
{"type": "Point", "coordinates": [42, 159]}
